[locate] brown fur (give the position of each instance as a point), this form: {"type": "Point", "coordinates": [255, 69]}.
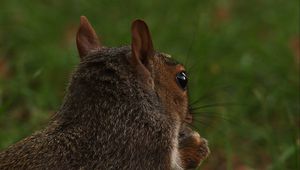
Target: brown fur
{"type": "Point", "coordinates": [121, 111]}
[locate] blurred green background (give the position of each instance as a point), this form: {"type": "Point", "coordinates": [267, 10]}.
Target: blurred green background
{"type": "Point", "coordinates": [242, 57]}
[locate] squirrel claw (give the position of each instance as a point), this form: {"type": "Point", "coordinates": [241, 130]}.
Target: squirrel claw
{"type": "Point", "coordinates": [193, 149]}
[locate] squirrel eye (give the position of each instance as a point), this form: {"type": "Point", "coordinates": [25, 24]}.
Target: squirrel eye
{"type": "Point", "coordinates": [182, 80]}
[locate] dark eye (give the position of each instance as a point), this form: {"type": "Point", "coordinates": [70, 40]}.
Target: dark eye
{"type": "Point", "coordinates": [182, 80]}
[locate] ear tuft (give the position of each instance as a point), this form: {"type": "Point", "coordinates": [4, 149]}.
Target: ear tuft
{"type": "Point", "coordinates": [86, 38]}
{"type": "Point", "coordinates": [141, 45]}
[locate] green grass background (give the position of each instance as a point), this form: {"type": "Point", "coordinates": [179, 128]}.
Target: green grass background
{"type": "Point", "coordinates": [242, 57]}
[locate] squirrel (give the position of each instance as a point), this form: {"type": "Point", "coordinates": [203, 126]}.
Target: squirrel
{"type": "Point", "coordinates": [125, 108]}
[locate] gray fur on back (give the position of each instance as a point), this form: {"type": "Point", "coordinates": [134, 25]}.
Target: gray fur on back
{"type": "Point", "coordinates": [107, 121]}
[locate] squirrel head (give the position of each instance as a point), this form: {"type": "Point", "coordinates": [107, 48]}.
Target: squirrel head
{"type": "Point", "coordinates": [154, 71]}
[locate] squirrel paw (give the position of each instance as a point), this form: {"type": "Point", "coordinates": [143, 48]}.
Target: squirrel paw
{"type": "Point", "coordinates": [193, 149]}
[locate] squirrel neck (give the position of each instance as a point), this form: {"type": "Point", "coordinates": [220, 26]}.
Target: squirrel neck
{"type": "Point", "coordinates": [114, 110]}
{"type": "Point", "coordinates": [104, 94]}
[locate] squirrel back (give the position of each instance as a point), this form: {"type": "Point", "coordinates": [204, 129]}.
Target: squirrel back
{"type": "Point", "coordinates": [123, 109]}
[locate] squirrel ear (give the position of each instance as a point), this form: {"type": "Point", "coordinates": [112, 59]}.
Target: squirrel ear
{"type": "Point", "coordinates": [86, 38]}
{"type": "Point", "coordinates": [142, 51]}
{"type": "Point", "coordinates": [141, 43]}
